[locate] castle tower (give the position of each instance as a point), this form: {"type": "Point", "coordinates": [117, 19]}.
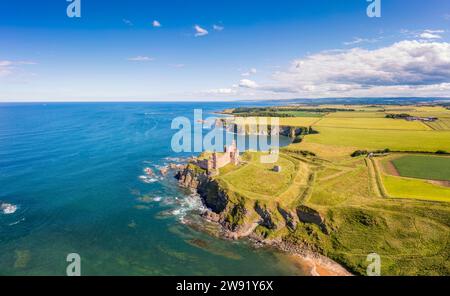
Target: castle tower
{"type": "Point", "coordinates": [214, 160]}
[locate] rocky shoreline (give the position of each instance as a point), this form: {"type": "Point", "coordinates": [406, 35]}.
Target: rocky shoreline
{"type": "Point", "coordinates": [227, 212]}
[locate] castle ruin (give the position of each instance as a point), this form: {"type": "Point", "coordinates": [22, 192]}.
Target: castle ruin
{"type": "Point", "coordinates": [219, 160]}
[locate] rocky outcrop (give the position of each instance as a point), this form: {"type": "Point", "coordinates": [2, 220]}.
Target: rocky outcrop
{"type": "Point", "coordinates": [268, 219]}
{"type": "Point", "coordinates": [289, 217]}
{"type": "Point", "coordinates": [289, 131]}
{"type": "Point", "coordinates": [308, 215]}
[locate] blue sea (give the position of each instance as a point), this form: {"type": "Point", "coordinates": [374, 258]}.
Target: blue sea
{"type": "Point", "coordinates": [75, 173]}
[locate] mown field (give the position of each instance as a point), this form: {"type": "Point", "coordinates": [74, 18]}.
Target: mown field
{"type": "Point", "coordinates": [397, 140]}
{"type": "Point", "coordinates": [397, 187]}
{"type": "Point", "coordinates": [423, 167]}
{"type": "Point", "coordinates": [441, 125]}
{"type": "Point", "coordinates": [356, 114]}
{"type": "Point", "coordinates": [257, 180]}
{"type": "Point", "coordinates": [372, 123]}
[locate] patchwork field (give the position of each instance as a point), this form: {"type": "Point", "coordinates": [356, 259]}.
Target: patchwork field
{"type": "Point", "coordinates": [396, 204]}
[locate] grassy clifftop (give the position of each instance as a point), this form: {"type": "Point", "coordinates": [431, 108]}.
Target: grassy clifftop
{"type": "Point", "coordinates": [347, 207]}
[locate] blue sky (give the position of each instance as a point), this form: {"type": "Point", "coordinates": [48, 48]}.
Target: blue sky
{"type": "Point", "coordinates": [252, 50]}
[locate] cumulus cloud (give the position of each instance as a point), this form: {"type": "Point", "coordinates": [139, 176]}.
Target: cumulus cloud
{"type": "Point", "coordinates": [247, 83]}
{"type": "Point", "coordinates": [199, 31]}
{"type": "Point", "coordinates": [218, 28]}
{"type": "Point", "coordinates": [156, 24]}
{"type": "Point", "coordinates": [431, 34]}
{"type": "Point", "coordinates": [405, 68]}
{"type": "Point", "coordinates": [140, 59]}
{"type": "Point", "coordinates": [252, 71]}
{"type": "Point", "coordinates": [406, 62]}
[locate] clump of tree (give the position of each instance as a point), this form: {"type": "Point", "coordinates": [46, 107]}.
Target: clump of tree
{"type": "Point", "coordinates": [263, 114]}
{"type": "Point", "coordinates": [441, 152]}
{"type": "Point", "coordinates": [365, 152]}
{"type": "Point", "coordinates": [359, 153]}
{"type": "Point", "coordinates": [281, 111]}
{"type": "Point", "coordinates": [398, 116]}
{"type": "Point", "coordinates": [304, 153]}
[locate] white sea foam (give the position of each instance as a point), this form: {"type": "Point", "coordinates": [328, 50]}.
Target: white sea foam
{"type": "Point", "coordinates": [8, 209]}
{"type": "Point", "coordinates": [148, 179]}
{"type": "Point", "coordinates": [186, 205]}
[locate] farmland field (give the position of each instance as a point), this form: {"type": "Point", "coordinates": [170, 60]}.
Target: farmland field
{"type": "Point", "coordinates": [356, 114]}
{"type": "Point", "coordinates": [423, 167]}
{"type": "Point", "coordinates": [441, 124]}
{"type": "Point", "coordinates": [398, 140]}
{"type": "Point", "coordinates": [373, 123]}
{"type": "Point", "coordinates": [415, 189]}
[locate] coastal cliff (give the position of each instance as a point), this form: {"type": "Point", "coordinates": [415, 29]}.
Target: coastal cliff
{"type": "Point", "coordinates": [264, 223]}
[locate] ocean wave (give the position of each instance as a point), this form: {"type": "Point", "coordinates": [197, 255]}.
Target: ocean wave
{"type": "Point", "coordinates": [182, 207]}
{"type": "Point", "coordinates": [148, 179]}
{"type": "Point", "coordinates": [17, 222]}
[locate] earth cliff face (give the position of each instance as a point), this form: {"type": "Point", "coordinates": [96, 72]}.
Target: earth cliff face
{"type": "Point", "coordinates": [264, 222]}
{"type": "Point", "coordinates": [239, 216]}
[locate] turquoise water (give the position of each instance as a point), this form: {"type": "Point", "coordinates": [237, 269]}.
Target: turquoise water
{"type": "Point", "coordinates": [73, 171]}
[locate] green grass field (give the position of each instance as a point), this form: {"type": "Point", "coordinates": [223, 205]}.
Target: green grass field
{"type": "Point", "coordinates": [258, 180]}
{"type": "Point", "coordinates": [415, 189]}
{"type": "Point", "coordinates": [356, 114]}
{"type": "Point", "coordinates": [397, 140]}
{"type": "Point", "coordinates": [373, 123]}
{"type": "Point", "coordinates": [423, 167]}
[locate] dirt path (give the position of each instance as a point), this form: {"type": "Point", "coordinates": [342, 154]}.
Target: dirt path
{"type": "Point", "coordinates": [390, 168]}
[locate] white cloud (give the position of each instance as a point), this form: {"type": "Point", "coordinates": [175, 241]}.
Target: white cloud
{"type": "Point", "coordinates": [358, 40]}
{"type": "Point", "coordinates": [252, 71]}
{"type": "Point", "coordinates": [8, 67]}
{"type": "Point", "coordinates": [156, 24]}
{"type": "Point", "coordinates": [199, 31]}
{"type": "Point", "coordinates": [406, 68]}
{"type": "Point", "coordinates": [431, 34]}
{"type": "Point", "coordinates": [221, 91]}
{"type": "Point", "coordinates": [247, 83]}
{"type": "Point", "coordinates": [218, 28]}
{"type": "Point", "coordinates": [141, 59]}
